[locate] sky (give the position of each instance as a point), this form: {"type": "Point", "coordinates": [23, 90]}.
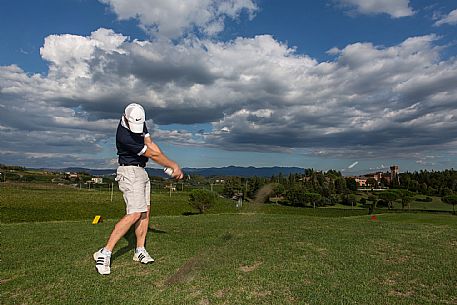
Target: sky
{"type": "Point", "coordinates": [351, 85]}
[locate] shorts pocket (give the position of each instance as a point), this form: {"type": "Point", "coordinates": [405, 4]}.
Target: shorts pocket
{"type": "Point", "coordinates": [124, 183]}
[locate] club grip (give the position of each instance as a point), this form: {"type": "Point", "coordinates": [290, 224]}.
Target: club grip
{"type": "Point", "coordinates": [168, 171]}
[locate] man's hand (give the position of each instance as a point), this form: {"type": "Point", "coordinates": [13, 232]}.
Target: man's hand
{"type": "Point", "coordinates": [177, 173]}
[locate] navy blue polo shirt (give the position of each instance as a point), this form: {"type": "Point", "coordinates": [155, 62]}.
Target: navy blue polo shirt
{"type": "Point", "coordinates": [130, 146]}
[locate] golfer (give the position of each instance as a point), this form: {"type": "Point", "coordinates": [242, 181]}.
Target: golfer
{"type": "Point", "coordinates": [134, 147]}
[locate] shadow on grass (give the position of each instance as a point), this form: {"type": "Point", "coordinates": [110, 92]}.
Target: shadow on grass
{"type": "Point", "coordinates": [158, 231]}
{"type": "Point", "coordinates": [190, 213]}
{"type": "Point", "coordinates": [131, 239]}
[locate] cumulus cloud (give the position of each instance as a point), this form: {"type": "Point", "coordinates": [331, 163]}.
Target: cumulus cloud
{"type": "Point", "coordinates": [394, 8]}
{"type": "Point", "coordinates": [257, 93]}
{"type": "Point", "coordinates": [450, 19]}
{"type": "Point", "coordinates": [173, 18]}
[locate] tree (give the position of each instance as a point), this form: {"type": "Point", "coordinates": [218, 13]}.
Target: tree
{"type": "Point", "coordinates": [348, 199]}
{"type": "Point", "coordinates": [232, 185]}
{"type": "Point", "coordinates": [201, 199]}
{"type": "Point", "coordinates": [278, 190]}
{"type": "Point", "coordinates": [423, 188]}
{"type": "Point", "coordinates": [406, 198]}
{"type": "Point", "coordinates": [373, 198]}
{"type": "Point", "coordinates": [296, 196]}
{"type": "Point", "coordinates": [254, 185]}
{"type": "Point", "coordinates": [389, 197]}
{"type": "Point", "coordinates": [351, 184]}
{"type": "Point", "coordinates": [450, 199]}
{"type": "Point", "coordinates": [312, 198]}
{"type": "Point", "coordinates": [372, 182]}
{"type": "Point", "coordinates": [340, 185]}
{"type": "Point", "coordinates": [384, 182]}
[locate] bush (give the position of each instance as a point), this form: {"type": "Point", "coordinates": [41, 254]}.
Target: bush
{"type": "Point", "coordinates": [426, 199]}
{"type": "Point", "coordinates": [382, 203]}
{"type": "Point", "coordinates": [296, 197]}
{"type": "Point", "coordinates": [348, 199]}
{"type": "Point", "coordinates": [201, 199]}
{"type": "Point", "coordinates": [326, 201]}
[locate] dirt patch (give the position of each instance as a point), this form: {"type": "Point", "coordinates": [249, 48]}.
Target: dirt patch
{"type": "Point", "coordinates": [307, 282]}
{"type": "Point", "coordinates": [390, 282]}
{"type": "Point", "coordinates": [261, 294]}
{"type": "Point", "coordinates": [3, 281]}
{"type": "Point", "coordinates": [403, 294]}
{"type": "Point", "coordinates": [204, 301]}
{"type": "Point", "coordinates": [400, 259]}
{"type": "Point", "coordinates": [315, 247]}
{"type": "Point", "coordinates": [221, 293]}
{"type": "Point", "coordinates": [263, 194]}
{"type": "Point", "coordinates": [184, 273]}
{"type": "Point", "coordinates": [250, 268]}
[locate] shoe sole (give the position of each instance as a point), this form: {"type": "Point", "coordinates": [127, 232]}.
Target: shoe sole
{"type": "Point", "coordinates": [135, 259]}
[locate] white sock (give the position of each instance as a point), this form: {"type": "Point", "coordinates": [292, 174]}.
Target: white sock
{"type": "Point", "coordinates": [106, 252]}
{"type": "Point", "coordinates": [140, 249]}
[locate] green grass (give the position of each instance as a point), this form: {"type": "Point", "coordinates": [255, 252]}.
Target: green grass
{"type": "Point", "coordinates": [436, 204]}
{"type": "Point", "coordinates": [238, 259]}
{"type": "Point", "coordinates": [260, 254]}
{"type": "Point", "coordinates": [23, 202]}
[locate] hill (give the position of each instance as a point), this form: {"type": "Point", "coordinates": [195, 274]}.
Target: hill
{"type": "Point", "coordinates": [206, 172]}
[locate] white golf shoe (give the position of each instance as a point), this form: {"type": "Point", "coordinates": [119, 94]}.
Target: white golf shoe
{"type": "Point", "coordinates": [143, 257]}
{"type": "Point", "coordinates": [102, 262]}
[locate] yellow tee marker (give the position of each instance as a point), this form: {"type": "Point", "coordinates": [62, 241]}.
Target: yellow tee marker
{"type": "Point", "coordinates": [97, 219]}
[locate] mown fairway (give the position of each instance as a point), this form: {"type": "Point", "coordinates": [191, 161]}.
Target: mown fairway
{"type": "Point", "coordinates": [237, 258]}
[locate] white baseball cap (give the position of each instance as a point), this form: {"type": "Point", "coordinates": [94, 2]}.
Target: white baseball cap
{"type": "Point", "coordinates": [134, 113]}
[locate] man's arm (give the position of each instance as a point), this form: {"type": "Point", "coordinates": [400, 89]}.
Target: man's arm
{"type": "Point", "coordinates": [155, 154]}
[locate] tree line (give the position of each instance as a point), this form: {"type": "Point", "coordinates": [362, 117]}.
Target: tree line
{"type": "Point", "coordinates": [431, 183]}
{"type": "Point", "coordinates": [318, 188]}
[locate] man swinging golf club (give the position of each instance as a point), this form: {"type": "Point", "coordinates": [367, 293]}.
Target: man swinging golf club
{"type": "Point", "coordinates": [134, 147]}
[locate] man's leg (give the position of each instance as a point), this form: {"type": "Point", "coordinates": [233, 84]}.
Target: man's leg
{"type": "Point", "coordinates": [141, 229]}
{"type": "Point", "coordinates": [103, 256]}
{"type": "Point", "coordinates": [121, 228]}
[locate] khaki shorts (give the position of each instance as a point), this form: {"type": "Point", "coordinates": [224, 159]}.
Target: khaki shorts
{"type": "Point", "coordinates": [134, 184]}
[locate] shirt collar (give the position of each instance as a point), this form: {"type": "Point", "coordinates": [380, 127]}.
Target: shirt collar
{"type": "Point", "coordinates": [123, 123]}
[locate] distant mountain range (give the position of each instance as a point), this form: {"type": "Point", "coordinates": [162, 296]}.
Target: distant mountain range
{"type": "Point", "coordinates": [206, 172]}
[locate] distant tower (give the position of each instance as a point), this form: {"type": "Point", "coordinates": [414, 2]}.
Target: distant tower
{"type": "Point", "coordinates": [394, 171]}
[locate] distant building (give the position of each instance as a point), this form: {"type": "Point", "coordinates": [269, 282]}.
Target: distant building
{"type": "Point", "coordinates": [394, 171]}
{"type": "Point", "coordinates": [70, 175]}
{"type": "Point", "coordinates": [171, 187]}
{"type": "Point", "coordinates": [361, 181]}
{"type": "Point", "coordinates": [97, 180]}
{"type": "Point", "coordinates": [379, 176]}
